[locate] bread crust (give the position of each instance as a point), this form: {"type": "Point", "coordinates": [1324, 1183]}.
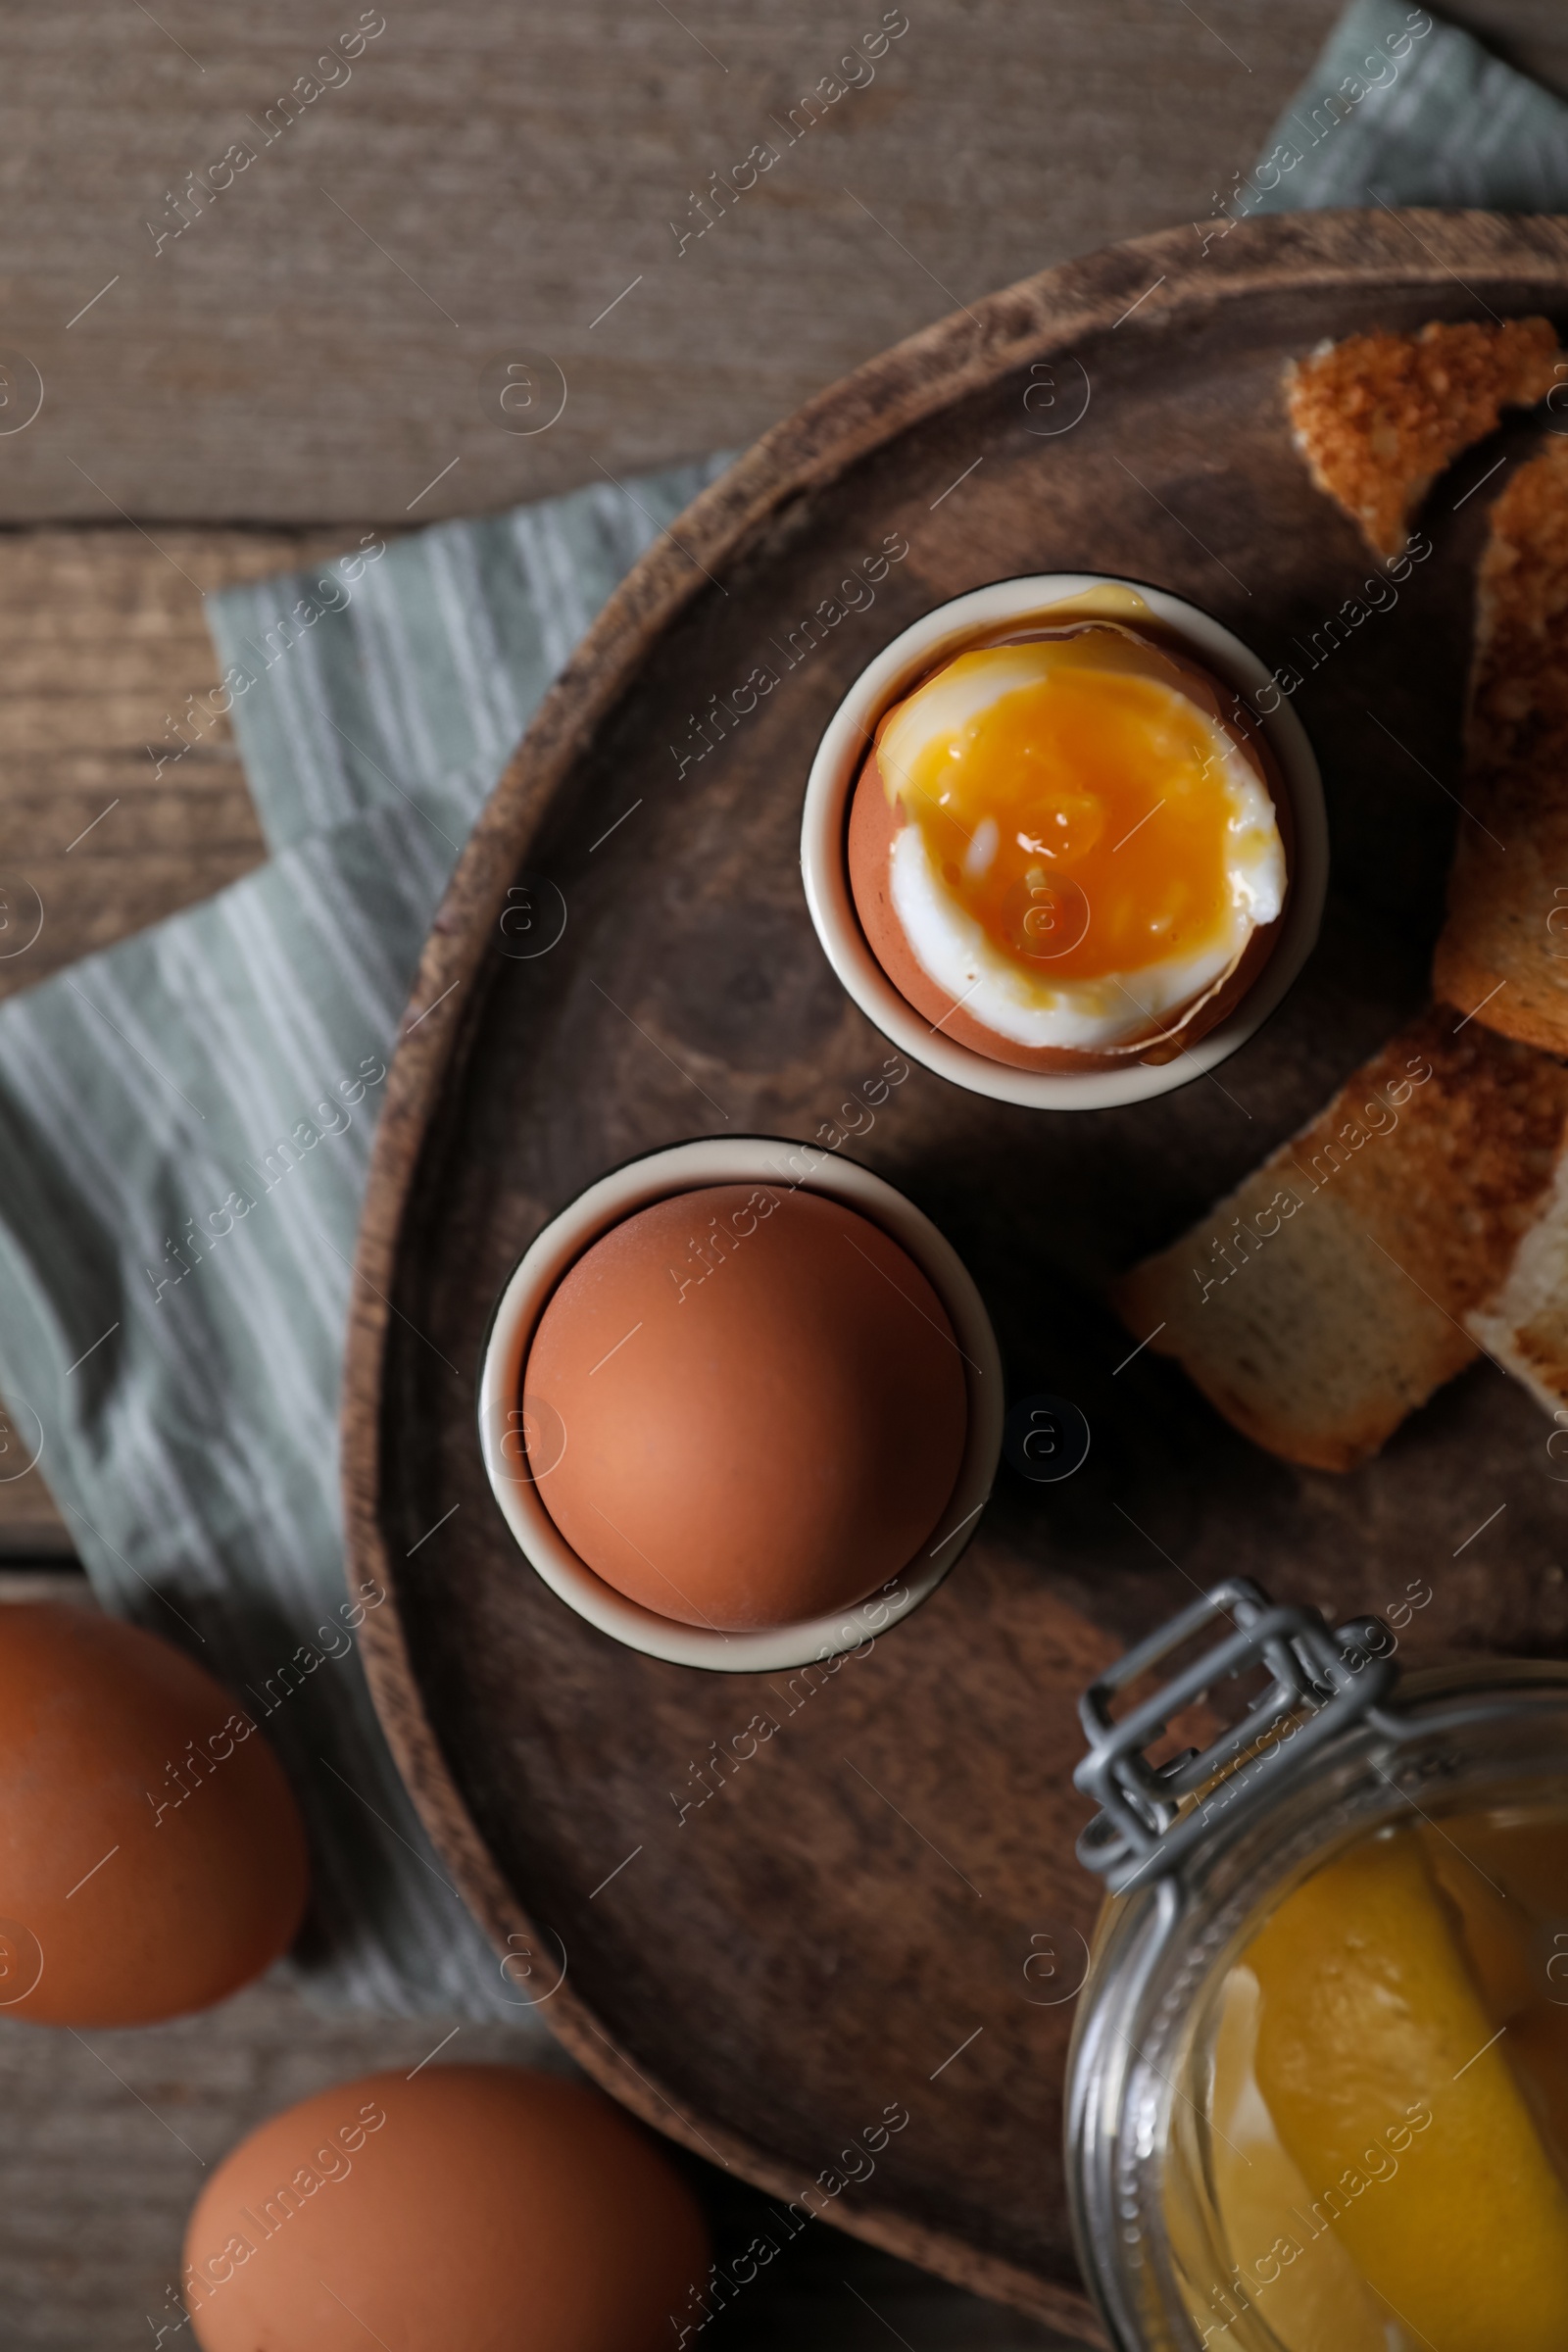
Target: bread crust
{"type": "Point", "coordinates": [1327, 1296]}
{"type": "Point", "coordinates": [1504, 947]}
{"type": "Point", "coordinates": [1378, 416]}
{"type": "Point", "coordinates": [1526, 1326]}
{"type": "Point", "coordinates": [1424, 1213]}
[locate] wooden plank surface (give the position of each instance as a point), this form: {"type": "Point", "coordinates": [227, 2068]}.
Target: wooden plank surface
{"type": "Point", "coordinates": [287, 366]}
{"type": "Point", "coordinates": [109, 2135]}
{"type": "Point", "coordinates": [102, 637]}
{"type": "Point", "coordinates": [483, 180]}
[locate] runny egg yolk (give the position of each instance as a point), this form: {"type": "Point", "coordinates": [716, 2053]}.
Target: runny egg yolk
{"type": "Point", "coordinates": [1085, 850]}
{"type": "Point", "coordinates": [1083, 816]}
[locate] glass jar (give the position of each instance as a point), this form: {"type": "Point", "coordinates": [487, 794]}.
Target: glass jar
{"type": "Point", "coordinates": [1198, 1852]}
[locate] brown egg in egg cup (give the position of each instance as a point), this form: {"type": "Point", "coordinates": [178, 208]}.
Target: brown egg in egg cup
{"type": "Point", "coordinates": [695, 1417]}
{"type": "Point", "coordinates": [852, 822]}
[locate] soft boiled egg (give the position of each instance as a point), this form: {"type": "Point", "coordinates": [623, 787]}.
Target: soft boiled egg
{"type": "Point", "coordinates": [1063, 851]}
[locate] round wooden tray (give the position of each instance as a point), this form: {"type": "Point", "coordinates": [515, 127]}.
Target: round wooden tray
{"type": "Point", "coordinates": [876, 1910]}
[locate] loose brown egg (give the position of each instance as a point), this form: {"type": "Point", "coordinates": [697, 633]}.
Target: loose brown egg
{"type": "Point", "coordinates": [151, 1859]}
{"type": "Point", "coordinates": [469, 2209]}
{"type": "Point", "coordinates": [750, 1406]}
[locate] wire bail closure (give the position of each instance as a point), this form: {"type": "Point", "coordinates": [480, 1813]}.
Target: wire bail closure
{"type": "Point", "coordinates": [1145, 1825]}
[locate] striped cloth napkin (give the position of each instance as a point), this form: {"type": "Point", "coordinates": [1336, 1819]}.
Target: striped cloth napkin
{"type": "Point", "coordinates": [185, 1124]}
{"type": "Point", "coordinates": [186, 1121]}
{"type": "Point", "coordinates": [1403, 109]}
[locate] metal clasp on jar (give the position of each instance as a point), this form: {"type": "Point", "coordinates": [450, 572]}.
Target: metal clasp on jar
{"type": "Point", "coordinates": [1153, 1814]}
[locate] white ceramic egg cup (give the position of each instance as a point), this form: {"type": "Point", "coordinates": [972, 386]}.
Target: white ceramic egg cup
{"type": "Point", "coordinates": [782, 1166]}
{"type": "Point", "coordinates": [824, 854]}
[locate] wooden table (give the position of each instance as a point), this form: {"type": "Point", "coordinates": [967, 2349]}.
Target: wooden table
{"type": "Point", "coordinates": [318, 348]}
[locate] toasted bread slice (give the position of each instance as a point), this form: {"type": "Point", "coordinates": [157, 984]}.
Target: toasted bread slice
{"type": "Point", "coordinates": [1378, 416]}
{"type": "Point", "coordinates": [1504, 948]}
{"type": "Point", "coordinates": [1326, 1298]}
{"type": "Point", "coordinates": [1526, 1326]}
